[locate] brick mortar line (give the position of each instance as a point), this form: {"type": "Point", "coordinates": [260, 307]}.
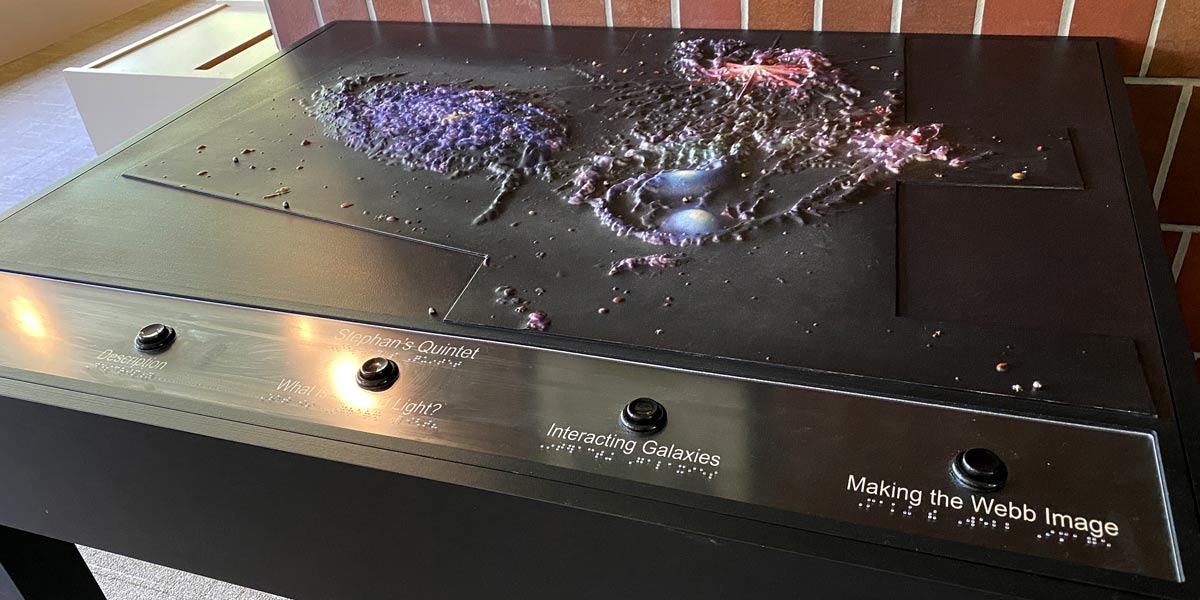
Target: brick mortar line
{"type": "Point", "coordinates": [320, 16]}
{"type": "Point", "coordinates": [1181, 251]}
{"type": "Point", "coordinates": [1164, 167]}
{"type": "Point", "coordinates": [1152, 37]}
{"type": "Point", "coordinates": [1179, 81]}
{"type": "Point", "coordinates": [1064, 17]}
{"type": "Point", "coordinates": [1064, 26]}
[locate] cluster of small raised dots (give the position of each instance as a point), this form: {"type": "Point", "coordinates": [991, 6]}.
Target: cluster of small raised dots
{"type": "Point", "coordinates": [1062, 537]}
{"type": "Point", "coordinates": [415, 421]}
{"type": "Point", "coordinates": [605, 455]}
{"type": "Point", "coordinates": [435, 362]}
{"type": "Point", "coordinates": [980, 522]}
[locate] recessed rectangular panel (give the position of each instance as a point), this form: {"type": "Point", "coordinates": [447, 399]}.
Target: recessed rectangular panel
{"type": "Point", "coordinates": [201, 247]}
{"type": "Point", "coordinates": [1006, 258]}
{"type": "Point", "coordinates": [1002, 259]}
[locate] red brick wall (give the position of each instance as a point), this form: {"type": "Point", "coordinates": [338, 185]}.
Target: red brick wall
{"type": "Point", "coordinates": [1159, 49]}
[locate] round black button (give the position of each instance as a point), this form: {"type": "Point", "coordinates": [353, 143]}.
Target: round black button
{"type": "Point", "coordinates": [377, 374]}
{"type": "Point", "coordinates": [644, 415]}
{"type": "Point", "coordinates": [980, 469]}
{"type": "Point", "coordinates": [154, 337]}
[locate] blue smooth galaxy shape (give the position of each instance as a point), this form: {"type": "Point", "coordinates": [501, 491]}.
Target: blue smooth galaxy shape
{"type": "Point", "coordinates": [691, 222]}
{"type": "Point", "coordinates": [680, 184]}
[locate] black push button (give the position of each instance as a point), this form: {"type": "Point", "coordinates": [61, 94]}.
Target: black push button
{"type": "Point", "coordinates": [644, 415]}
{"type": "Point", "coordinates": [154, 337]}
{"type": "Point", "coordinates": [378, 374]}
{"type": "Point", "coordinates": [980, 469]}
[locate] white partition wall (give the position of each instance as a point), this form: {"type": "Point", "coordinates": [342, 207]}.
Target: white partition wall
{"type": "Point", "coordinates": [136, 86]}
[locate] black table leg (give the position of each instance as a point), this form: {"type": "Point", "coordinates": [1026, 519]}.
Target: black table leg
{"type": "Point", "coordinates": [33, 567]}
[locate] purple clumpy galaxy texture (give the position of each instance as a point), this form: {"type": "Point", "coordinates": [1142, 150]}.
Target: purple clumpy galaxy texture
{"type": "Point", "coordinates": [756, 112]}
{"type": "Point", "coordinates": [713, 134]}
{"type": "Point", "coordinates": [440, 128]}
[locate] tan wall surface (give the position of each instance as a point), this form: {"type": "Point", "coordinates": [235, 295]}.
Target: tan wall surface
{"type": "Point", "coordinates": [29, 25]}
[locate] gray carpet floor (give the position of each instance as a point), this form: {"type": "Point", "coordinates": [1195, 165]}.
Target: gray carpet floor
{"type": "Point", "coordinates": [42, 139]}
{"type": "Point", "coordinates": [123, 578]}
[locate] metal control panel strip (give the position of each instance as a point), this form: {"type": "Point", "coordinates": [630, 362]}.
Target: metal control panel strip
{"type": "Point", "coordinates": [1081, 494]}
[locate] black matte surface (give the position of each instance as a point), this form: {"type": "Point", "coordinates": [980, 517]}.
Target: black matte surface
{"type": "Point", "coordinates": [196, 245]}
{"type": "Point", "coordinates": [315, 529]}
{"type": "Point", "coordinates": [992, 85]}
{"type": "Point", "coordinates": [33, 567]}
{"type": "Point", "coordinates": [864, 291]}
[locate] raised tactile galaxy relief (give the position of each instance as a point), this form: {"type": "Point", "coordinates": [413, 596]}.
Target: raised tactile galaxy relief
{"type": "Point", "coordinates": [710, 196]}
{"type": "Point", "coordinates": [444, 128]}
{"type": "Point", "coordinates": [710, 138]}
{"type": "Point", "coordinates": [692, 153]}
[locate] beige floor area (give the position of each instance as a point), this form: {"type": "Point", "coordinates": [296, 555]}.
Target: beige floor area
{"type": "Point", "coordinates": [43, 139]}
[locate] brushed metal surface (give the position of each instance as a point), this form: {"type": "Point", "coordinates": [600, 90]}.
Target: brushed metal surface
{"type": "Point", "coordinates": [802, 450]}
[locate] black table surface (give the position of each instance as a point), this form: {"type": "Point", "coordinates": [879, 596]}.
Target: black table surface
{"type": "Point", "coordinates": [922, 287]}
{"type": "Point", "coordinates": [925, 280]}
